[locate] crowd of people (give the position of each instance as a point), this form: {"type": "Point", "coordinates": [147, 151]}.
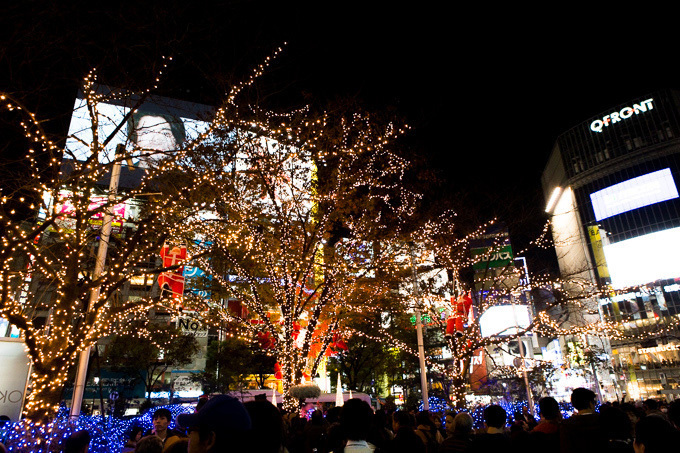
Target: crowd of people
{"type": "Point", "coordinates": [224, 424]}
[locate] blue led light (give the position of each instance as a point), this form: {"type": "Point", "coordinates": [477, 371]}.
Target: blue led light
{"type": "Point", "coordinates": [108, 435]}
{"type": "Point", "coordinates": [438, 405]}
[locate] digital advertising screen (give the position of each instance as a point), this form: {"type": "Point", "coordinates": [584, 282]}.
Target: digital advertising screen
{"type": "Point", "coordinates": [644, 259]}
{"type": "Point", "coordinates": [158, 126]}
{"type": "Point", "coordinates": [634, 193]}
{"type": "Point", "coordinates": [504, 320]}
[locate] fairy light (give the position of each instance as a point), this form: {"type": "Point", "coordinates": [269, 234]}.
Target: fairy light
{"type": "Point", "coordinates": [277, 185]}
{"type": "Point", "coordinates": [504, 286]}
{"type": "Point", "coordinates": [277, 218]}
{"type": "Point", "coordinates": [58, 247]}
{"type": "Point", "coordinates": [30, 437]}
{"type": "Point", "coordinates": [303, 288]}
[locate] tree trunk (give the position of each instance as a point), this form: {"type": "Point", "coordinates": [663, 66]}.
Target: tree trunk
{"type": "Point", "coordinates": [290, 403]}
{"type": "Point", "coordinates": [47, 384]}
{"type": "Point", "coordinates": [458, 391]}
{"type": "Point", "coordinates": [291, 373]}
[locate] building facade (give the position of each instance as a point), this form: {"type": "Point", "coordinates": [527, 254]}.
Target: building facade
{"type": "Point", "coordinates": [612, 197]}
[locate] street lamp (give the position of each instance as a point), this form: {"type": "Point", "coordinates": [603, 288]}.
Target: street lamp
{"type": "Point", "coordinates": [419, 332]}
{"type": "Point", "coordinates": [84, 357]}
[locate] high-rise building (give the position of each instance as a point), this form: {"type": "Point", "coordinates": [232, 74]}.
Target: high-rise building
{"type": "Point", "coordinates": [612, 196]}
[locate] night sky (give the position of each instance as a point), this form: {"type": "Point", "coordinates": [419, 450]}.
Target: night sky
{"type": "Point", "coordinates": [488, 106]}
{"type": "Point", "coordinates": [486, 90]}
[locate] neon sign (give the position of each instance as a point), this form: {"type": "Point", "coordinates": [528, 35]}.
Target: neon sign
{"type": "Point", "coordinates": [623, 114]}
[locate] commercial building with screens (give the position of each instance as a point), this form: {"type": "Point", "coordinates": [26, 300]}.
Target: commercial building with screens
{"type": "Point", "coordinates": [158, 126]}
{"type": "Point", "coordinates": [611, 185]}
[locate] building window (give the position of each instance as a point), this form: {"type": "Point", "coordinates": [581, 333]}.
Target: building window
{"type": "Point", "coordinates": [577, 163]}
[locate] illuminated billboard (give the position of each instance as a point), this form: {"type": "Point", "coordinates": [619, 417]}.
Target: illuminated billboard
{"type": "Point", "coordinates": [13, 377]}
{"type": "Point", "coordinates": [491, 257]}
{"type": "Point", "coordinates": [634, 193]}
{"type": "Point", "coordinates": [158, 126]}
{"type": "Point", "coordinates": [644, 259]}
{"type": "Point", "coordinates": [123, 212]}
{"type": "Point", "coordinates": [504, 320]}
{"type": "Point", "coordinates": [492, 250]}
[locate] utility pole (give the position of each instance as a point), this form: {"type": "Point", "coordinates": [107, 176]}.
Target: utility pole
{"type": "Point", "coordinates": [105, 234]}
{"type": "Point", "coordinates": [522, 354]}
{"type": "Point", "coordinates": [419, 332]}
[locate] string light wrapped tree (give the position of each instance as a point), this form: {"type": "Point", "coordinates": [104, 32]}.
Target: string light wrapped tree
{"type": "Point", "coordinates": [58, 221]}
{"type": "Point", "coordinates": [466, 298]}
{"type": "Point", "coordinates": [305, 228]}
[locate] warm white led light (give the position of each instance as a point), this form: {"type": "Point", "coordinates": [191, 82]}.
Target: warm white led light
{"type": "Point", "coordinates": [557, 191]}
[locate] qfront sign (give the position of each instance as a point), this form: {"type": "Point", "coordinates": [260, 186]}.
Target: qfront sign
{"type": "Point", "coordinates": [623, 114]}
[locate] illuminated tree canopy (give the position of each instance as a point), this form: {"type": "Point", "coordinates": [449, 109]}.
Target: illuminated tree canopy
{"type": "Point", "coordinates": [305, 228]}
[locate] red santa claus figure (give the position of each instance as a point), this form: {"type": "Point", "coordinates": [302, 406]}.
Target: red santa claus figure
{"type": "Point", "coordinates": [459, 314]}
{"type": "Point", "coordinates": [173, 281]}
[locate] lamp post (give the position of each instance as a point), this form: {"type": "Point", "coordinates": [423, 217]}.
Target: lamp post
{"type": "Point", "coordinates": [530, 399]}
{"type": "Point", "coordinates": [419, 332]}
{"type": "Point", "coordinates": [105, 234]}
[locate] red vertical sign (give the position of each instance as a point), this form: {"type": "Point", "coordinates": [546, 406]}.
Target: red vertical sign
{"type": "Point", "coordinates": [173, 281]}
{"type": "Point", "coordinates": [478, 372]}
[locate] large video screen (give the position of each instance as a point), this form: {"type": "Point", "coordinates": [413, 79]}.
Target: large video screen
{"type": "Point", "coordinates": [634, 193]}
{"type": "Point", "coordinates": [158, 126]}
{"type": "Point", "coordinates": [504, 320]}
{"type": "Point", "coordinates": [644, 259]}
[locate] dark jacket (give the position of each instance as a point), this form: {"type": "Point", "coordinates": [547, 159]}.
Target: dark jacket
{"type": "Point", "coordinates": [406, 441]}
{"type": "Point", "coordinates": [456, 443]}
{"type": "Point", "coordinates": [582, 434]}
{"type": "Point", "coordinates": [170, 433]}
{"type": "Point", "coordinates": [491, 443]}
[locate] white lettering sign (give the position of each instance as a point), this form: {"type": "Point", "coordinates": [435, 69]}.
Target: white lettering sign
{"type": "Point", "coordinates": [671, 288]}
{"type": "Point", "coordinates": [501, 256]}
{"type": "Point", "coordinates": [191, 326]}
{"type": "Point", "coordinates": [662, 348]}
{"type": "Point", "coordinates": [624, 113]}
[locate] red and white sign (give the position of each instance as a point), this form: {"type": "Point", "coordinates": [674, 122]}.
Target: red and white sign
{"type": "Point", "coordinates": [173, 281]}
{"type": "Point", "coordinates": [478, 372]}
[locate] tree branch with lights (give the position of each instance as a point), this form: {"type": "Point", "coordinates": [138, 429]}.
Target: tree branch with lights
{"type": "Point", "coordinates": [305, 227]}
{"type": "Point", "coordinates": [53, 225]}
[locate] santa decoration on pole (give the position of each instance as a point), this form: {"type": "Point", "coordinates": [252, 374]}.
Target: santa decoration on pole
{"type": "Point", "coordinates": [460, 313]}
{"type": "Point", "coordinates": [172, 281]}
